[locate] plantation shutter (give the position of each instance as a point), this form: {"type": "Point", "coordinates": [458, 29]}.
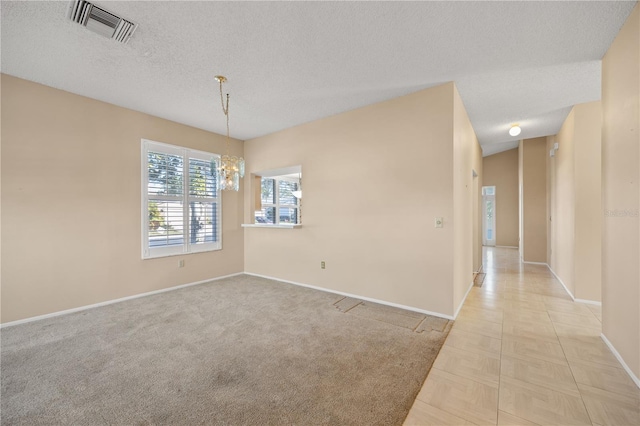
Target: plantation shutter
{"type": "Point", "coordinates": [181, 201]}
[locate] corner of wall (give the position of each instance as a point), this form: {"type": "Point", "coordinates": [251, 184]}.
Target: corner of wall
{"type": "Point", "coordinates": [533, 189]}
{"type": "Point", "coordinates": [467, 158]}
{"type": "Point", "coordinates": [621, 192]}
{"type": "Point", "coordinates": [409, 263]}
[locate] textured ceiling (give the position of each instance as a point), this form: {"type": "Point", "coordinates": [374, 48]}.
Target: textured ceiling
{"type": "Point", "coordinates": [293, 62]}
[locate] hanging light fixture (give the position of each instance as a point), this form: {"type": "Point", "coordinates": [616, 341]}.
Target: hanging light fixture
{"type": "Point", "coordinates": [230, 169]}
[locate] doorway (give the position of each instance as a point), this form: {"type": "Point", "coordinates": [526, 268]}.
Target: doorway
{"type": "Point", "coordinates": [489, 215]}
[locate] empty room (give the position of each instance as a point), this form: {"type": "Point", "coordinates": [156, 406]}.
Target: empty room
{"type": "Point", "coordinates": [320, 213]}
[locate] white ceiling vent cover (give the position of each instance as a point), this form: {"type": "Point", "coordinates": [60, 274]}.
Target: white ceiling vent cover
{"type": "Point", "coordinates": [100, 21]}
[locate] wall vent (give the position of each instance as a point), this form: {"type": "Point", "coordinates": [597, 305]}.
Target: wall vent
{"type": "Point", "coordinates": [101, 21]}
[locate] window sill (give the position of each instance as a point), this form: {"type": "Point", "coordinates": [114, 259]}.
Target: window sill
{"type": "Point", "coordinates": [266, 225]}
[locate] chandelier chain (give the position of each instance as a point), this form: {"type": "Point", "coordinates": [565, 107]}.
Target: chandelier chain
{"type": "Point", "coordinates": [225, 110]}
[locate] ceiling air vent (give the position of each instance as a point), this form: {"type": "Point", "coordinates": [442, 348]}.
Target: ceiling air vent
{"type": "Point", "coordinates": [101, 21]}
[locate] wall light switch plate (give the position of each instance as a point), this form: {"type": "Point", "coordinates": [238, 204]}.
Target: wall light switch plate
{"type": "Point", "coordinates": [439, 222]}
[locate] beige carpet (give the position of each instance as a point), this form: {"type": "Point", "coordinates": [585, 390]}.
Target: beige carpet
{"type": "Point", "coordinates": [242, 350]}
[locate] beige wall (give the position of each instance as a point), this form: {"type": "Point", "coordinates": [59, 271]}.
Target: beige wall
{"type": "Point", "coordinates": [374, 179]}
{"type": "Point", "coordinates": [588, 201]}
{"type": "Point", "coordinates": [520, 198]}
{"type": "Point", "coordinates": [467, 156]}
{"type": "Point", "coordinates": [575, 202]}
{"type": "Point", "coordinates": [71, 203]}
{"type": "Point", "coordinates": [534, 200]}
{"type": "Point", "coordinates": [550, 178]}
{"type": "Point", "coordinates": [477, 213]}
{"type": "Point", "coordinates": [562, 199]}
{"type": "Point", "coordinates": [501, 170]}
{"type": "Point", "coordinates": [621, 193]}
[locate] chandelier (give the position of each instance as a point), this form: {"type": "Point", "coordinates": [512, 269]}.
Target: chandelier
{"type": "Point", "coordinates": [229, 169]}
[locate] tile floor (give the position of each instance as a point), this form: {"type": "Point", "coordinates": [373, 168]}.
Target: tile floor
{"type": "Point", "coordinates": [521, 352]}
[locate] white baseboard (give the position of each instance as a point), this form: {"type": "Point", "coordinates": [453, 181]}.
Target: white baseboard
{"type": "Point", "coordinates": [510, 247]}
{"type": "Point", "coordinates": [536, 263]}
{"type": "Point", "coordinates": [355, 296]}
{"type": "Point", "coordinates": [135, 296]}
{"type": "Point", "coordinates": [109, 302]}
{"type": "Point", "coordinates": [619, 357]}
{"type": "Point", "coordinates": [560, 280]}
{"type": "Point", "coordinates": [585, 301]}
{"type": "Point", "coordinates": [463, 300]}
{"type": "Point", "coordinates": [588, 302]}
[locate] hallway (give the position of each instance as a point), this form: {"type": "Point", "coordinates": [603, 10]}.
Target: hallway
{"type": "Point", "coordinates": [521, 352]}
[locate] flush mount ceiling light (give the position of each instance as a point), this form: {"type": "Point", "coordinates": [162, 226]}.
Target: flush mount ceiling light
{"type": "Point", "coordinates": [230, 169]}
{"type": "Point", "coordinates": [515, 130]}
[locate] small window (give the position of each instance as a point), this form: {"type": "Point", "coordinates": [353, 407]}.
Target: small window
{"type": "Point", "coordinates": [278, 203]}
{"type": "Point", "coordinates": [181, 202]}
{"type": "Point", "coordinates": [488, 190]}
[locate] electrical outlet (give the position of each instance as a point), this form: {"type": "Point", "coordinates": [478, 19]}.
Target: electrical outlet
{"type": "Point", "coordinates": [322, 265]}
{"type": "Point", "coordinates": [181, 263]}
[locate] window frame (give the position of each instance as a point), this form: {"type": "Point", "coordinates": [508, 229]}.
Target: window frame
{"type": "Point", "coordinates": [277, 205]}
{"type": "Point", "coordinates": [185, 198]}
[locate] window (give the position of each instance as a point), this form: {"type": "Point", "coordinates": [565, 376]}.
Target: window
{"type": "Point", "coordinates": [279, 205]}
{"type": "Point", "coordinates": [180, 201]}
{"type": "Point", "coordinates": [488, 190]}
